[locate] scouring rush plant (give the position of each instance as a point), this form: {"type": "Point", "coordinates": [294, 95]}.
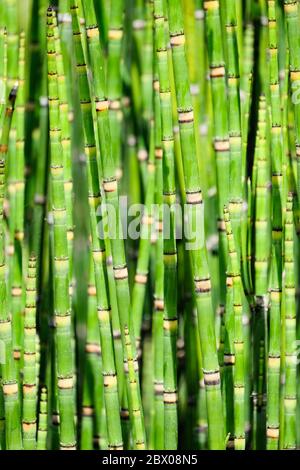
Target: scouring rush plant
{"type": "Point", "coordinates": [29, 421]}
{"type": "Point", "coordinates": [141, 276]}
{"type": "Point", "coordinates": [220, 121]}
{"type": "Point", "coordinates": [43, 421]}
{"type": "Point", "coordinates": [65, 116]}
{"type": "Point", "coordinates": [194, 204]}
{"type": "Point", "coordinates": [114, 82]}
{"type": "Point", "coordinates": [273, 380]}
{"type": "Point", "coordinates": [234, 120]}
{"type": "Point", "coordinates": [16, 201]}
{"type": "Point", "coordinates": [291, 10]}
{"type": "Point", "coordinates": [62, 308]}
{"type": "Point", "coordinates": [183, 336]}
{"type": "Point", "coordinates": [9, 379]}
{"type": "Point", "coordinates": [98, 249]}
{"type": "Point", "coordinates": [92, 386]}
{"type": "Point", "coordinates": [110, 187]}
{"type": "Point", "coordinates": [239, 369]}
{"type": "Point", "coordinates": [170, 319]}
{"type": "Point", "coordinates": [290, 361]}
{"type": "Point", "coordinates": [261, 264]}
{"type": "Point", "coordinates": [158, 295]}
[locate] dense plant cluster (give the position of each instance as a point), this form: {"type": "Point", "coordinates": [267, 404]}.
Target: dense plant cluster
{"type": "Point", "coordinates": [183, 333]}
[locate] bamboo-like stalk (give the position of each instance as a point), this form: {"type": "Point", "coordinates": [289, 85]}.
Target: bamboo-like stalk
{"type": "Point", "coordinates": [234, 122]}
{"type": "Point", "coordinates": [221, 126]}
{"type": "Point", "coordinates": [291, 9]}
{"type": "Point", "coordinates": [262, 259]}
{"type": "Point", "coordinates": [170, 320]}
{"type": "Point", "coordinates": [114, 82]}
{"type": "Point", "coordinates": [12, 79]}
{"type": "Point", "coordinates": [141, 276]}
{"type": "Point", "coordinates": [3, 67]}
{"type": "Point", "coordinates": [263, 206]}
{"type": "Point", "coordinates": [110, 186]}
{"type": "Point", "coordinates": [147, 64]}
{"type": "Point", "coordinates": [239, 370]}
{"type": "Point", "coordinates": [273, 379]}
{"type": "Point", "coordinates": [65, 116]}
{"type": "Point", "coordinates": [43, 421]}
{"type": "Point", "coordinates": [229, 359]}
{"type": "Point", "coordinates": [98, 249]}
{"type": "Point", "coordinates": [158, 300]}
{"type": "Point", "coordinates": [290, 395]}
{"type": "Point", "coordinates": [195, 209]}
{"type": "Point", "coordinates": [273, 384]}
{"type": "Point", "coordinates": [40, 190]}
{"type": "Point", "coordinates": [16, 198]}
{"type": "Point", "coordinates": [9, 378]}
{"type": "Point", "coordinates": [30, 385]}
{"type": "Point", "coordinates": [93, 351]}
{"type": "Point", "coordinates": [246, 96]}
{"type": "Point", "coordinates": [11, 13]}
{"type": "Point", "coordinates": [62, 310]}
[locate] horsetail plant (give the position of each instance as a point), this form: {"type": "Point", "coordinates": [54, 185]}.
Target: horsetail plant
{"type": "Point", "coordinates": [239, 371]}
{"type": "Point", "coordinates": [62, 308]}
{"type": "Point", "coordinates": [149, 224]}
{"type": "Point", "coordinates": [110, 187]}
{"type": "Point", "coordinates": [30, 353]}
{"type": "Point", "coordinates": [103, 306]}
{"type": "Point", "coordinates": [170, 321]}
{"type": "Point", "coordinates": [290, 361]}
{"type": "Point", "coordinates": [194, 202]}
{"type": "Point", "coordinates": [12, 408]}
{"type": "Point", "coordinates": [43, 417]}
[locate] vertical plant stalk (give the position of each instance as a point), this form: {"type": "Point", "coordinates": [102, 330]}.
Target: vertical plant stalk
{"type": "Point", "coordinates": [147, 65]}
{"type": "Point", "coordinates": [290, 387]}
{"type": "Point", "coordinates": [195, 217]}
{"type": "Point", "coordinates": [40, 190]}
{"type": "Point", "coordinates": [262, 266]}
{"type": "Point", "coordinates": [141, 276]}
{"type": "Point", "coordinates": [110, 187]}
{"type": "Point", "coordinates": [29, 421]}
{"type": "Point", "coordinates": [9, 378]}
{"type": "Point", "coordinates": [91, 367]}
{"type": "Point", "coordinates": [11, 15]}
{"type": "Point", "coordinates": [246, 99]}
{"type": "Point", "coordinates": [229, 360]}
{"type": "Point", "coordinates": [221, 126]}
{"type": "Point", "coordinates": [158, 300]}
{"type": "Point", "coordinates": [62, 308]}
{"type": "Point", "coordinates": [65, 116]}
{"type": "Point", "coordinates": [3, 67]}
{"type": "Point", "coordinates": [98, 248]}
{"type": "Point", "coordinates": [14, 271]}
{"type": "Point", "coordinates": [43, 421]}
{"type": "Point", "coordinates": [16, 189]}
{"type": "Point", "coordinates": [114, 82]}
{"type": "Point", "coordinates": [291, 9]}
{"type": "Point", "coordinates": [239, 370]}
{"type": "Point", "coordinates": [263, 205]}
{"type": "Point", "coordinates": [273, 373]}
{"type": "Point", "coordinates": [170, 321]}
{"type": "Point", "coordinates": [234, 122]}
